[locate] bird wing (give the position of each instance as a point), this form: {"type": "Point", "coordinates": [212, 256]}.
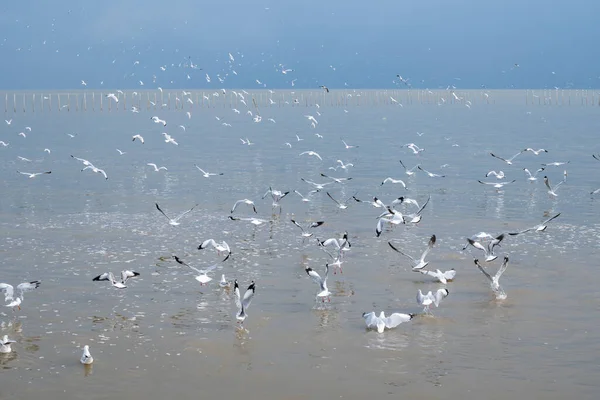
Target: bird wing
{"type": "Point", "coordinates": [500, 158]}
{"type": "Point", "coordinates": [428, 249]}
{"type": "Point", "coordinates": [423, 206]}
{"type": "Point", "coordinates": [439, 295]}
{"type": "Point", "coordinates": [404, 254]}
{"type": "Point", "coordinates": [8, 291]}
{"type": "Point", "coordinates": [314, 275]}
{"type": "Point", "coordinates": [316, 224]}
{"type": "Point", "coordinates": [450, 274]}
{"type": "Point", "coordinates": [513, 157]}
{"type": "Point", "coordinates": [161, 211]}
{"type": "Point", "coordinates": [207, 242]}
{"type": "Point", "coordinates": [477, 245]}
{"type": "Point", "coordinates": [370, 319]}
{"type": "Point", "coordinates": [186, 212]}
{"type": "Point", "coordinates": [297, 224]}
{"type": "Point", "coordinates": [483, 270]}
{"type": "Point", "coordinates": [501, 270]}
{"type": "Point", "coordinates": [336, 202]}
{"type": "Point", "coordinates": [550, 219]}
{"type": "Point", "coordinates": [547, 183]}
{"type": "Point", "coordinates": [248, 296]}
{"type": "Point", "coordinates": [396, 319]}
{"type": "Point", "coordinates": [27, 286]}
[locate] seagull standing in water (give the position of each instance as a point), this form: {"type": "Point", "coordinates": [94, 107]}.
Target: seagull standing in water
{"type": "Point", "coordinates": [86, 357]}
{"type": "Point", "coordinates": [381, 322]}
{"type": "Point", "coordinates": [323, 293]}
{"type": "Point", "coordinates": [243, 303]}
{"type": "Point", "coordinates": [494, 280]}
{"type": "Point", "coordinates": [174, 221]}
{"type": "Point", "coordinates": [420, 263]}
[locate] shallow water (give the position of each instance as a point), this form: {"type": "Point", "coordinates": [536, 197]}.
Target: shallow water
{"type": "Point", "coordinates": [167, 336]}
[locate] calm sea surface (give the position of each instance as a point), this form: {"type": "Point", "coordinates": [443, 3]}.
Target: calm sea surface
{"type": "Point", "coordinates": [166, 336]}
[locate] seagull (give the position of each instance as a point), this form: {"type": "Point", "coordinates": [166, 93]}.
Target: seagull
{"type": "Point", "coordinates": [344, 166]}
{"type": "Point", "coordinates": [595, 191]}
{"type": "Point", "coordinates": [170, 139]}
{"type": "Point", "coordinates": [224, 283]}
{"type": "Point", "coordinates": [306, 199]}
{"type": "Point", "coordinates": [158, 120]}
{"type": "Point", "coordinates": [22, 134]}
{"type": "Point", "coordinates": [202, 276]}
{"type": "Point", "coordinates": [174, 221]}
{"type": "Point", "coordinates": [245, 201]}
{"type": "Point", "coordinates": [556, 163]}
{"type": "Point", "coordinates": [552, 190]}
{"type": "Point", "coordinates": [324, 88]}
{"type": "Point", "coordinates": [298, 138]}
{"type": "Point", "coordinates": [109, 276]}
{"type": "Point", "coordinates": [338, 180]}
{"type": "Point", "coordinates": [494, 280]}
{"type": "Point", "coordinates": [498, 175]}
{"type": "Point", "coordinates": [83, 161]}
{"type": "Point", "coordinates": [375, 203]}
{"type": "Point", "coordinates": [489, 250]}
{"type": "Point", "coordinates": [442, 277]}
{"type": "Point", "coordinates": [207, 174]}
{"type": "Point", "coordinates": [409, 172]}
{"type": "Point", "coordinates": [243, 303]}
{"type": "Point", "coordinates": [113, 96]}
{"type": "Point", "coordinates": [9, 292]}
{"type": "Point", "coordinates": [392, 180]}
{"type": "Point", "coordinates": [534, 176]}
{"type": "Point", "coordinates": [33, 175]}
{"type": "Point", "coordinates": [341, 205]}
{"type": "Point", "coordinates": [317, 185]}
{"type": "Point", "coordinates": [415, 149]}
{"type": "Point", "coordinates": [222, 247]}
{"type": "Point", "coordinates": [86, 357]}
{"type": "Point", "coordinates": [8, 121]}
{"type": "Point", "coordinates": [5, 343]}
{"type": "Point", "coordinates": [536, 152]}
{"type": "Point", "coordinates": [420, 263]}
{"type": "Point", "coordinates": [347, 146]}
{"type": "Point", "coordinates": [430, 298]}
{"type": "Point", "coordinates": [252, 220]}
{"type": "Point", "coordinates": [246, 142]}
{"type": "Point", "coordinates": [312, 153]}
{"type": "Point", "coordinates": [3, 143]}
{"type": "Point", "coordinates": [276, 195]}
{"type": "Point", "coordinates": [508, 161]}
{"type": "Point", "coordinates": [596, 157]}
{"type": "Point", "coordinates": [311, 118]}
{"type": "Point", "coordinates": [323, 293]}
{"type": "Point", "coordinates": [538, 228]}
{"type": "Point", "coordinates": [96, 170]}
{"type": "Point", "coordinates": [497, 185]}
{"type": "Point", "coordinates": [139, 137]}
{"type": "Point", "coordinates": [382, 322]}
{"type": "Point", "coordinates": [156, 168]}
{"type": "Point", "coordinates": [121, 152]}
{"type": "Point", "coordinates": [47, 151]}
{"type": "Point", "coordinates": [306, 234]}
{"type": "Point", "coordinates": [431, 175]}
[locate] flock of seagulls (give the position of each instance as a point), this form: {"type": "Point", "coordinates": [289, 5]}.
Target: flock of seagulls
{"type": "Point", "coordinates": [388, 213]}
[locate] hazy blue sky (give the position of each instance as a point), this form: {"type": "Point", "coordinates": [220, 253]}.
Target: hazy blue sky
{"type": "Point", "coordinates": [433, 43]}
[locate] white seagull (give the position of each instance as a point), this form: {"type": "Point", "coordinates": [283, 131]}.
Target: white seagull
{"type": "Point", "coordinates": [381, 322]}
{"type": "Point", "coordinates": [158, 120]}
{"type": "Point", "coordinates": [337, 180]}
{"type": "Point", "coordinates": [9, 292]}
{"type": "Point", "coordinates": [222, 247]}
{"type": "Point", "coordinates": [534, 176]}
{"type": "Point", "coordinates": [113, 96]}
{"type": "Point", "coordinates": [169, 139]}
{"type": "Point", "coordinates": [342, 165]}
{"type": "Point", "coordinates": [324, 292]}
{"type": "Point", "coordinates": [431, 174]}
{"type": "Point", "coordinates": [34, 174]}
{"type": "Point", "coordinates": [312, 153]}
{"type": "Point", "coordinates": [243, 303]}
{"type": "Point", "coordinates": [489, 250]}
{"type": "Point", "coordinates": [306, 199]}
{"type": "Point", "coordinates": [536, 152]}
{"type": "Point", "coordinates": [494, 280]}
{"type": "Point", "coordinates": [156, 168]}
{"type": "Point", "coordinates": [442, 277]}
{"type": "Point", "coordinates": [392, 180]}
{"type": "Point", "coordinates": [509, 160]}
{"type": "Point", "coordinates": [497, 185]}
{"type": "Point", "coordinates": [538, 228]}
{"type": "Point", "coordinates": [415, 149]}
{"type": "Point", "coordinates": [342, 205]}
{"type": "Point", "coordinates": [409, 172]}
{"type": "Point", "coordinates": [138, 137]}
{"type": "Point", "coordinates": [121, 152]}
{"type": "Point", "coordinates": [431, 298]}
{"type": "Point", "coordinates": [174, 221]}
{"type": "Point", "coordinates": [5, 343]}
{"type": "Point", "coordinates": [276, 195]}
{"type": "Point", "coordinates": [207, 174]}
{"type": "Point", "coordinates": [420, 263]}
{"type": "Point", "coordinates": [252, 220]}
{"type": "Point", "coordinates": [86, 357]}
{"type": "Point", "coordinates": [552, 190]}
{"type": "Point", "coordinates": [96, 170]}
{"type": "Point", "coordinates": [347, 146]}
{"type": "Point", "coordinates": [498, 175]}
{"type": "Point", "coordinates": [202, 276]}
{"type": "Point", "coordinates": [244, 201]}
{"type": "Point", "coordinates": [109, 276]}
{"type": "Point", "coordinates": [306, 234]}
